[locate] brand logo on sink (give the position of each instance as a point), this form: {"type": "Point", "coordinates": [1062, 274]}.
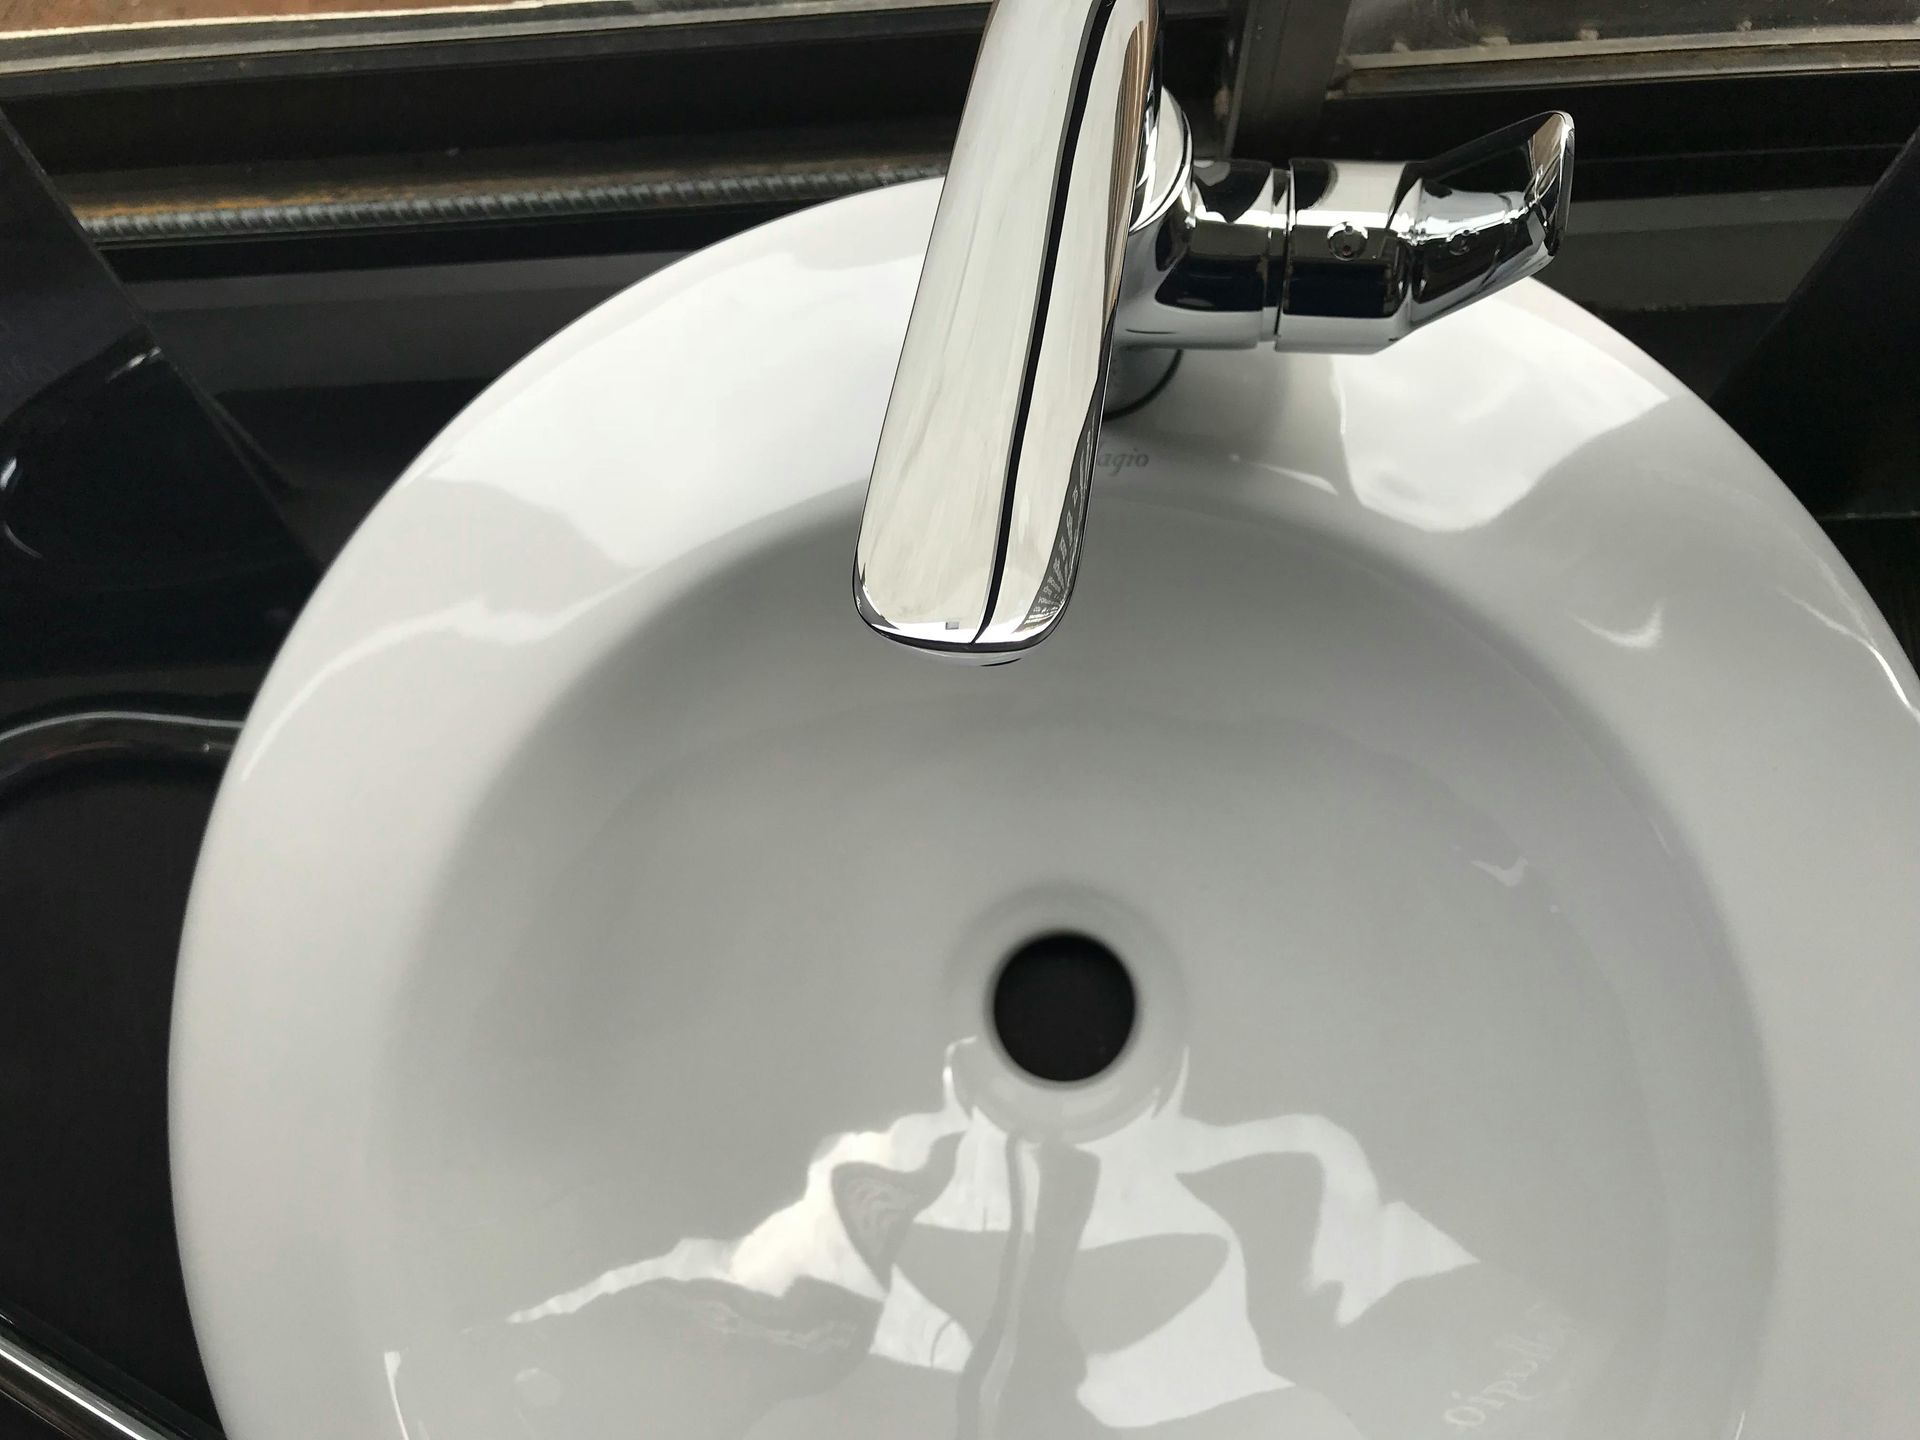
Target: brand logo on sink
{"type": "Point", "coordinates": [1525, 1382]}
{"type": "Point", "coordinates": [1118, 462]}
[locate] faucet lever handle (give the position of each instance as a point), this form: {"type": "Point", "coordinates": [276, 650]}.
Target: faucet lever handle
{"type": "Point", "coordinates": [1493, 211]}
{"type": "Point", "coordinates": [1377, 250]}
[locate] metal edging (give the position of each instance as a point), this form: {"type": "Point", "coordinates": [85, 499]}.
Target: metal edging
{"type": "Point", "coordinates": [38, 747]}
{"type": "Point", "coordinates": [71, 1407]}
{"type": "Point", "coordinates": [122, 223]}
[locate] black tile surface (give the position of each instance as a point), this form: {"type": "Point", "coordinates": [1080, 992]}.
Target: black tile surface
{"type": "Point", "coordinates": [94, 873]}
{"type": "Point", "coordinates": [1830, 395]}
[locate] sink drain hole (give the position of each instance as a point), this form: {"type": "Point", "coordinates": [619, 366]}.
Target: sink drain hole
{"type": "Point", "coordinates": [1063, 1007]}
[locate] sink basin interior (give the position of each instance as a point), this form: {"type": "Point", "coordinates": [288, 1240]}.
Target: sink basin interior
{"type": "Point", "coordinates": [1440, 1068]}
{"type": "Point", "coordinates": [1440, 744]}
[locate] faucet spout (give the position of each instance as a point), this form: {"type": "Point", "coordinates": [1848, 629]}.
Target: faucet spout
{"type": "Point", "coordinates": [971, 535]}
{"type": "Point", "coordinates": [1075, 219]}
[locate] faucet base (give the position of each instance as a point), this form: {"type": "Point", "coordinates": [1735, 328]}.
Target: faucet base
{"type": "Point", "coordinates": [1136, 375]}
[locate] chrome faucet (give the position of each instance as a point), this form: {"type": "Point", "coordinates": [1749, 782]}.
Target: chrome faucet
{"type": "Point", "coordinates": [1078, 244]}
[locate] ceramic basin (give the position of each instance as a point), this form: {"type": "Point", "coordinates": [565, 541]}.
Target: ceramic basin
{"type": "Point", "coordinates": [1503, 803]}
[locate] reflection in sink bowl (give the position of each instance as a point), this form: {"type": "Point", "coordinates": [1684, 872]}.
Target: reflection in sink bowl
{"type": "Point", "coordinates": [618, 1020]}
{"type": "Point", "coordinates": [1408, 950]}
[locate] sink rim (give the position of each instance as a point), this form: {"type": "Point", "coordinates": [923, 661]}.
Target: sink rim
{"type": "Point", "coordinates": [1710, 486]}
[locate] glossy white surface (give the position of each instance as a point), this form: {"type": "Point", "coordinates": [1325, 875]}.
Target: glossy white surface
{"type": "Point", "coordinates": [1507, 803]}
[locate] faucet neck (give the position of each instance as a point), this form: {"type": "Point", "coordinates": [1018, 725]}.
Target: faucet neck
{"type": "Point", "coordinates": [971, 535]}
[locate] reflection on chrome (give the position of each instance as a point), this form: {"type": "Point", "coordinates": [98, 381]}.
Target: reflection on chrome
{"type": "Point", "coordinates": [1136, 1278]}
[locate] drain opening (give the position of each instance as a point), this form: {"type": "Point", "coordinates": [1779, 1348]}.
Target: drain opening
{"type": "Point", "coordinates": [1063, 1007]}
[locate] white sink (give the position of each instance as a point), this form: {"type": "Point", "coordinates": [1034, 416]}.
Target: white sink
{"type": "Point", "coordinates": [1504, 801]}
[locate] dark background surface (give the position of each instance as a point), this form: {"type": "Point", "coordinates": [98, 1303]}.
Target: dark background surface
{"type": "Point", "coordinates": [95, 862]}
{"type": "Point", "coordinates": [94, 871]}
